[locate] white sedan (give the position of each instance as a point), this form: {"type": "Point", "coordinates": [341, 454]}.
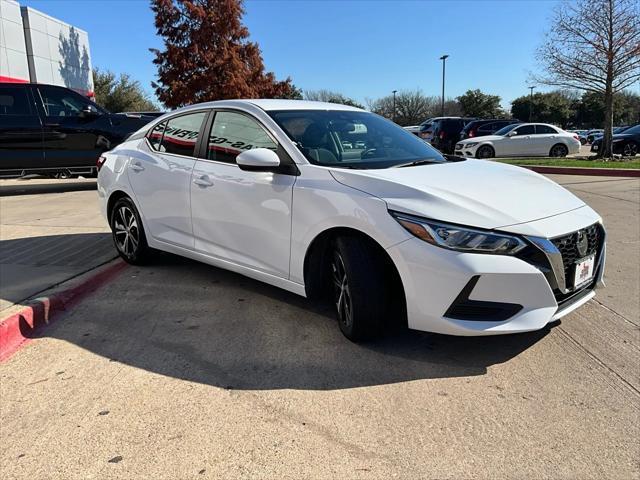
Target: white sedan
{"type": "Point", "coordinates": [388, 229]}
{"type": "Point", "coordinates": [521, 140]}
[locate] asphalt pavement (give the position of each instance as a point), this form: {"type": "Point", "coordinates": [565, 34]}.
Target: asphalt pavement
{"type": "Point", "coordinates": [182, 370]}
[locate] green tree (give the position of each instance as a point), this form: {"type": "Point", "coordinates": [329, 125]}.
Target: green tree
{"type": "Point", "coordinates": [591, 112]}
{"type": "Point", "coordinates": [474, 103]}
{"type": "Point", "coordinates": [552, 107]}
{"type": "Point", "coordinates": [120, 93]}
{"type": "Point", "coordinates": [207, 54]}
{"type": "Point", "coordinates": [331, 97]}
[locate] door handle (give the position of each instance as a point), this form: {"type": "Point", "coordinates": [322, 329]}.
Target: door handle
{"type": "Point", "coordinates": [203, 181]}
{"type": "Point", "coordinates": [136, 167]}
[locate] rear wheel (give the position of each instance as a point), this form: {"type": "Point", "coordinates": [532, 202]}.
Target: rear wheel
{"type": "Point", "coordinates": [485, 151]}
{"type": "Point", "coordinates": [559, 150]}
{"type": "Point", "coordinates": [630, 149]}
{"type": "Point", "coordinates": [360, 298]}
{"type": "Point", "coordinates": [128, 232]}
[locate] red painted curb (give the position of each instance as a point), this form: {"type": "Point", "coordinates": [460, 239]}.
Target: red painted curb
{"type": "Point", "coordinates": [17, 329]}
{"type": "Point", "coordinates": [600, 172]}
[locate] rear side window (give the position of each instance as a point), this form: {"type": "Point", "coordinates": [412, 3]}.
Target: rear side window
{"type": "Point", "coordinates": [14, 101]}
{"type": "Point", "coordinates": [181, 134]}
{"type": "Point", "coordinates": [155, 135]}
{"type": "Point", "coordinates": [542, 129]}
{"type": "Point", "coordinates": [232, 133]}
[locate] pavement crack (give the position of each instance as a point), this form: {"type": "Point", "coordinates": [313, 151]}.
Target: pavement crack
{"type": "Point", "coordinates": [609, 309]}
{"type": "Point", "coordinates": [635, 391]}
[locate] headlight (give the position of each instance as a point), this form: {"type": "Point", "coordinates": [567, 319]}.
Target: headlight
{"type": "Point", "coordinates": [470, 145]}
{"type": "Point", "coordinates": [463, 239]}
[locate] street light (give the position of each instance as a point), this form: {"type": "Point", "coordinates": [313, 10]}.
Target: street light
{"type": "Point", "coordinates": [394, 107]}
{"type": "Point", "coordinates": [531, 101]}
{"type": "Point", "coordinates": [443, 58]}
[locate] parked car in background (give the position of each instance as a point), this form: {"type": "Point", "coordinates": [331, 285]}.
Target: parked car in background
{"type": "Point", "coordinates": [582, 135]}
{"type": "Point", "coordinates": [626, 143]}
{"type": "Point", "coordinates": [446, 132]}
{"type": "Point", "coordinates": [479, 128]}
{"type": "Point", "coordinates": [521, 140]}
{"type": "Point", "coordinates": [392, 230]}
{"type": "Point", "coordinates": [614, 131]}
{"type": "Point", "coordinates": [426, 131]}
{"type": "Point", "coordinates": [591, 134]}
{"type": "Point", "coordinates": [53, 130]}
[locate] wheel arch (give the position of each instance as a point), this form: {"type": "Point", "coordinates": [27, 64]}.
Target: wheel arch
{"type": "Point", "coordinates": [315, 266]}
{"type": "Point", "coordinates": [113, 198]}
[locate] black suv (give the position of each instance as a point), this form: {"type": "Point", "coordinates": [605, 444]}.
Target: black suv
{"type": "Point", "coordinates": [446, 132]}
{"type": "Point", "coordinates": [53, 130]}
{"type": "Point", "coordinates": [481, 128]}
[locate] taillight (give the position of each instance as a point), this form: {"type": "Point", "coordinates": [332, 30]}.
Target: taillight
{"type": "Point", "coordinates": [576, 137]}
{"type": "Point", "coordinates": [441, 135]}
{"type": "Point", "coordinates": [472, 133]}
{"type": "Point", "coordinates": [100, 162]}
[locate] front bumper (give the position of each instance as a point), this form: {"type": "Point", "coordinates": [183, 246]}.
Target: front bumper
{"type": "Point", "coordinates": [463, 150]}
{"type": "Point", "coordinates": [474, 294]}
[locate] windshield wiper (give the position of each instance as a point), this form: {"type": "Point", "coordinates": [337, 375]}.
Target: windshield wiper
{"type": "Point", "coordinates": [415, 163]}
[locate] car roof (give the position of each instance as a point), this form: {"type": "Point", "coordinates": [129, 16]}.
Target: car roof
{"type": "Point", "coordinates": [276, 104]}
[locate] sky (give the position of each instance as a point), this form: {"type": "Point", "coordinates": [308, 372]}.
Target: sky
{"type": "Point", "coordinates": [361, 48]}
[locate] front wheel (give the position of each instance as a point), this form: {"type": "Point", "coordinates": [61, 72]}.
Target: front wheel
{"type": "Point", "coordinates": [485, 151]}
{"type": "Point", "coordinates": [559, 150]}
{"type": "Point", "coordinates": [128, 232]}
{"type": "Point", "coordinates": [359, 296]}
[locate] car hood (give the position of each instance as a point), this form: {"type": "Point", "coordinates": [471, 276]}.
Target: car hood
{"type": "Point", "coordinates": [484, 138]}
{"type": "Point", "coordinates": [478, 193]}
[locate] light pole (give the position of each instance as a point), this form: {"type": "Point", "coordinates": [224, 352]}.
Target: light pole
{"type": "Point", "coordinates": [531, 101]}
{"type": "Point", "coordinates": [394, 107]}
{"type": "Point", "coordinates": [443, 58]}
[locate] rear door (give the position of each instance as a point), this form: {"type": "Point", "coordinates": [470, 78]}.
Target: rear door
{"type": "Point", "coordinates": [71, 138]}
{"type": "Point", "coordinates": [20, 130]}
{"type": "Point", "coordinates": [160, 175]}
{"type": "Point", "coordinates": [545, 138]}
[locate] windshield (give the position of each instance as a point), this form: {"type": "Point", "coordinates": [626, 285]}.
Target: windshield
{"type": "Point", "coordinates": [352, 139]}
{"type": "Point", "coordinates": [504, 130]}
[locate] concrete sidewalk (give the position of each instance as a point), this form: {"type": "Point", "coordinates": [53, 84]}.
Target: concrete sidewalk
{"type": "Point", "coordinates": [50, 231]}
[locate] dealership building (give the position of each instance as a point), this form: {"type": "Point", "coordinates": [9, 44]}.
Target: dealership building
{"type": "Point", "coordinates": [35, 47]}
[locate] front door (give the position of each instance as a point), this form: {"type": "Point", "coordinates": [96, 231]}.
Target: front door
{"type": "Point", "coordinates": [520, 144]}
{"type": "Point", "coordinates": [160, 175]}
{"type": "Point", "coordinates": [239, 216]}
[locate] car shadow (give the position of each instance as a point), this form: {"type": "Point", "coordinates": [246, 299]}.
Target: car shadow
{"type": "Point", "coordinates": [194, 322]}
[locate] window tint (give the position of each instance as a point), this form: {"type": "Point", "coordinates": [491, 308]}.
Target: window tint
{"type": "Point", "coordinates": [14, 101]}
{"type": "Point", "coordinates": [232, 133]}
{"type": "Point", "coordinates": [155, 135]}
{"type": "Point", "coordinates": [544, 129]}
{"type": "Point", "coordinates": [488, 127]}
{"type": "Point", "coordinates": [525, 130]}
{"type": "Point", "coordinates": [181, 134]}
{"type": "Point", "coordinates": [60, 102]}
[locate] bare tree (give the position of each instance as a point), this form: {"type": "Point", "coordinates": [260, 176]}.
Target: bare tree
{"type": "Point", "coordinates": [330, 96]}
{"type": "Point", "coordinates": [594, 45]}
{"type": "Point", "coordinates": [412, 107]}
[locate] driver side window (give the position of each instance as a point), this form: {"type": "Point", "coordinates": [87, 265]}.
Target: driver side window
{"type": "Point", "coordinates": [525, 130]}
{"type": "Point", "coordinates": [60, 102]}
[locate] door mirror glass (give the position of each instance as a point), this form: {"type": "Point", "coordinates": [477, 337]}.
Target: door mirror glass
{"type": "Point", "coordinates": [512, 133]}
{"type": "Point", "coordinates": [258, 160]}
{"type": "Point", "coordinates": [89, 111]}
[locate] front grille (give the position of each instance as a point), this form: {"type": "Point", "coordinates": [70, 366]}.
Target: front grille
{"type": "Point", "coordinates": [568, 246]}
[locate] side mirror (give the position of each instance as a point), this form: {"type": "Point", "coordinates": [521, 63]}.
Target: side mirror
{"type": "Point", "coordinates": [511, 133]}
{"type": "Point", "coordinates": [89, 112]}
{"type": "Point", "coordinates": [258, 160]}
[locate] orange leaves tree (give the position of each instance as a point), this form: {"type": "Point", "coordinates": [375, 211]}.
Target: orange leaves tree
{"type": "Point", "coordinates": [207, 55]}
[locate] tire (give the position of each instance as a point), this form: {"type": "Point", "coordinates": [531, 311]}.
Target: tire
{"type": "Point", "coordinates": [359, 295]}
{"type": "Point", "coordinates": [630, 149]}
{"type": "Point", "coordinates": [128, 233]}
{"type": "Point", "coordinates": [583, 141]}
{"type": "Point", "coordinates": [559, 150]}
{"type": "Point", "coordinates": [485, 151]}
